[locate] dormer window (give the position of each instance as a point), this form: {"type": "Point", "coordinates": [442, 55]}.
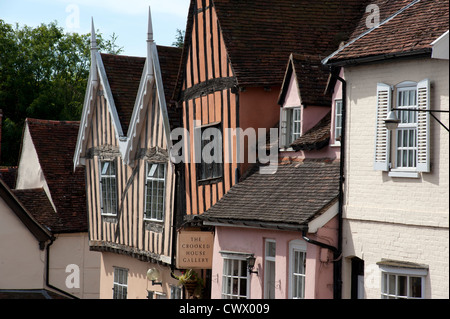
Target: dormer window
{"type": "Point", "coordinates": [290, 125]}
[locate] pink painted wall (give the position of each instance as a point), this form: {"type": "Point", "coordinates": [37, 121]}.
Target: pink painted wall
{"type": "Point", "coordinates": [319, 275]}
{"type": "Point", "coordinates": [311, 115]}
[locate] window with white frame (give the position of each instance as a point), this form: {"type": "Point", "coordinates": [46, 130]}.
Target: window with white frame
{"type": "Point", "coordinates": [269, 269]}
{"type": "Point", "coordinates": [108, 187]}
{"type": "Point", "coordinates": [406, 141]}
{"type": "Point", "coordinates": [402, 283]}
{"type": "Point", "coordinates": [297, 269]}
{"type": "Point", "coordinates": [155, 191]}
{"type": "Point", "coordinates": [235, 278]}
{"type": "Point", "coordinates": [120, 285]}
{"type": "Point", "coordinates": [404, 152]}
{"type": "Point", "coordinates": [337, 120]}
{"type": "Point", "coordinates": [290, 125]}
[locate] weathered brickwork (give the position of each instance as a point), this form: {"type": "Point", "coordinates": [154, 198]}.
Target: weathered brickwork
{"type": "Point", "coordinates": [399, 218]}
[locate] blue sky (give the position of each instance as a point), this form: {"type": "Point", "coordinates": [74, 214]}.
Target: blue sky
{"type": "Point", "coordinates": [126, 18]}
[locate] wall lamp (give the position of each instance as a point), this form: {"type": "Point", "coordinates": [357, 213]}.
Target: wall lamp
{"type": "Point", "coordinates": [251, 264]}
{"type": "Point", "coordinates": [392, 120]}
{"type": "Point", "coordinates": [154, 276]}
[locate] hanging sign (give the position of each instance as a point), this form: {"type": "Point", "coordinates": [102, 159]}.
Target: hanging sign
{"type": "Point", "coordinates": [195, 249]}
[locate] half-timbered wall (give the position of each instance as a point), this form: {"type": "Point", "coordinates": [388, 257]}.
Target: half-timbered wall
{"type": "Point", "coordinates": [128, 232]}
{"type": "Point", "coordinates": [209, 96]}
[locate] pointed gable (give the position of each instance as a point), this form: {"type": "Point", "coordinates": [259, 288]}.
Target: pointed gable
{"type": "Point", "coordinates": [311, 77]}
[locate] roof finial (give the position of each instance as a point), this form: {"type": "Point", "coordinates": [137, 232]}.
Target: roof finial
{"type": "Point", "coordinates": [94, 50]}
{"type": "Point", "coordinates": [93, 38]}
{"type": "Point", "coordinates": [150, 26]}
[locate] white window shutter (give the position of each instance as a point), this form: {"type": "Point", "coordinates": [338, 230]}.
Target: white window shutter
{"type": "Point", "coordinates": [382, 136]}
{"type": "Point", "coordinates": [283, 127]}
{"type": "Point", "coordinates": [423, 126]}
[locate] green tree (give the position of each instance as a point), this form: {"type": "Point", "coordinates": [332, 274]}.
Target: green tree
{"type": "Point", "coordinates": [179, 39]}
{"type": "Point", "coordinates": [43, 74]}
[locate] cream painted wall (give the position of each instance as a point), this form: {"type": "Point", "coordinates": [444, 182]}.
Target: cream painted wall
{"type": "Point", "coordinates": [391, 217]}
{"type": "Point", "coordinates": [138, 284]}
{"type": "Point", "coordinates": [73, 267]}
{"type": "Point", "coordinates": [22, 264]}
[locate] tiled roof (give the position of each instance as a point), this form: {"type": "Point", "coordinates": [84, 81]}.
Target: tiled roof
{"type": "Point", "coordinates": [260, 35]}
{"type": "Point", "coordinates": [124, 76]}
{"type": "Point", "coordinates": [406, 27]}
{"type": "Point", "coordinates": [10, 199]}
{"type": "Point", "coordinates": [316, 138]}
{"type": "Point", "coordinates": [55, 144]}
{"type": "Point", "coordinates": [8, 175]}
{"type": "Point", "coordinates": [36, 201]}
{"type": "Point", "coordinates": [295, 194]}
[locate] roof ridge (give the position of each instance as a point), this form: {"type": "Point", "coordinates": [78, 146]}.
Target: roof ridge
{"type": "Point", "coordinates": [47, 122]}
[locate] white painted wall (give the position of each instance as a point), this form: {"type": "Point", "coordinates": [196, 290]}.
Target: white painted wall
{"type": "Point", "coordinates": [391, 217]}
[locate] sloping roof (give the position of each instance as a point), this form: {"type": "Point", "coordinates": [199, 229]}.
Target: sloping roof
{"type": "Point", "coordinates": [124, 76]}
{"type": "Point", "coordinates": [316, 138]}
{"type": "Point", "coordinates": [9, 175]}
{"type": "Point", "coordinates": [39, 232]}
{"type": "Point", "coordinates": [406, 28]}
{"type": "Point", "coordinates": [55, 144]}
{"type": "Point", "coordinates": [260, 35]}
{"type": "Point", "coordinates": [295, 194]}
{"type": "Point", "coordinates": [35, 200]}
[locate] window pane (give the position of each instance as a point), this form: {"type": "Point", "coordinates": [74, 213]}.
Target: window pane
{"type": "Point", "coordinates": [402, 286]}
{"type": "Point", "coordinates": [391, 284]}
{"type": "Point", "coordinates": [384, 283]}
{"type": "Point", "coordinates": [415, 286]}
{"type": "Point", "coordinates": [270, 248]}
{"type": "Point", "coordinates": [243, 287]}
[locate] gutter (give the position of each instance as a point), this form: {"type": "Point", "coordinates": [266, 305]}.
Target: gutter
{"type": "Point", "coordinates": [426, 52]}
{"type": "Point", "coordinates": [338, 263]}
{"type": "Point", "coordinates": [179, 171]}
{"type": "Point", "coordinates": [47, 273]}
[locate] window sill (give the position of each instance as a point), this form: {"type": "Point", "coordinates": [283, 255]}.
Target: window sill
{"type": "Point", "coordinates": [286, 149]}
{"type": "Point", "coordinates": [407, 174]}
{"type": "Point", "coordinates": [336, 144]}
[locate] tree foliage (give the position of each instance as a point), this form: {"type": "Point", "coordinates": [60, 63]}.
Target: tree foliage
{"type": "Point", "coordinates": [179, 39]}
{"type": "Point", "coordinates": [43, 74]}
